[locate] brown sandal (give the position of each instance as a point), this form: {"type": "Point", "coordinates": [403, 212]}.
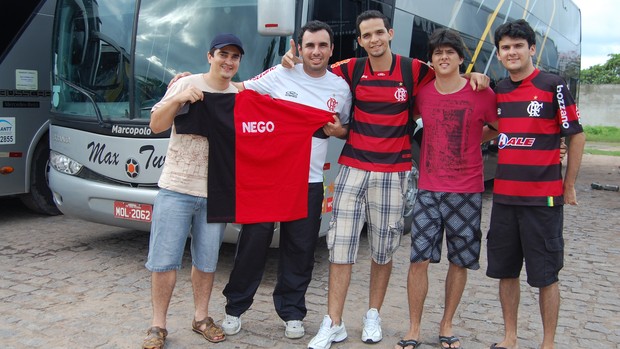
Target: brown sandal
{"type": "Point", "coordinates": [155, 338]}
{"type": "Point", "coordinates": [212, 332]}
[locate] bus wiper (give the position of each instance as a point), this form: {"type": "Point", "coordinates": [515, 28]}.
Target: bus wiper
{"type": "Point", "coordinates": [91, 97]}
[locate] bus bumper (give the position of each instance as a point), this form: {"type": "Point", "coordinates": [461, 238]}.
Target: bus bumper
{"type": "Point", "coordinates": [94, 202]}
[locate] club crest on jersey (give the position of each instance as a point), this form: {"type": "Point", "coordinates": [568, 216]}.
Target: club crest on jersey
{"type": "Point", "coordinates": [332, 103]}
{"type": "Point", "coordinates": [505, 141]}
{"type": "Point", "coordinates": [533, 109]}
{"type": "Point", "coordinates": [400, 94]}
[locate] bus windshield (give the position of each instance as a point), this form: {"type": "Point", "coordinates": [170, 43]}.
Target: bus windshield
{"type": "Point", "coordinates": [113, 61]}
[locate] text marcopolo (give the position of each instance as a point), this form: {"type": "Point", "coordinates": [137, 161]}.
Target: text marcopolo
{"type": "Point", "coordinates": [132, 130]}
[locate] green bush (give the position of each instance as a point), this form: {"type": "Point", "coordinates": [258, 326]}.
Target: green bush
{"type": "Point", "coordinates": [602, 133]}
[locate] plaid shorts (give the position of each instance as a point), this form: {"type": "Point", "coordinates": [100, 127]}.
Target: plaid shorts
{"type": "Point", "coordinates": [372, 197]}
{"type": "Point", "coordinates": [456, 213]}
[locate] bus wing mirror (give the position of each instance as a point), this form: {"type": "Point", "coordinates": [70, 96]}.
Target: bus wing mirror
{"type": "Point", "coordinates": [276, 17]}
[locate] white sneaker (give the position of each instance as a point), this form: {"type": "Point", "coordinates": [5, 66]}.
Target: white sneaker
{"type": "Point", "coordinates": [372, 327]}
{"type": "Point", "coordinates": [231, 325]}
{"type": "Point", "coordinates": [328, 334]}
{"type": "Point", "coordinates": [294, 329]}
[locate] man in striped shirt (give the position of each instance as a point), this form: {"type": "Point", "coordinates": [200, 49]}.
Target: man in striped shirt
{"type": "Point", "coordinates": [372, 179]}
{"type": "Point", "coordinates": [535, 110]}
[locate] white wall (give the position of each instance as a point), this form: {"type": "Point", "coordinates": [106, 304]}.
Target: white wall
{"type": "Point", "coordinates": [599, 105]}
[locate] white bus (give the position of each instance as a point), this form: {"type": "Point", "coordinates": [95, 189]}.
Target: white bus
{"type": "Point", "coordinates": [112, 60]}
{"type": "Point", "coordinates": [25, 95]}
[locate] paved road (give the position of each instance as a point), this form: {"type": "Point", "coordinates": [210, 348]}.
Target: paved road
{"type": "Point", "coordinates": [66, 283]}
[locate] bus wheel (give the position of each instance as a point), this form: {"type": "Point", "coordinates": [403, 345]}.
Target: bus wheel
{"type": "Point", "coordinates": [39, 199]}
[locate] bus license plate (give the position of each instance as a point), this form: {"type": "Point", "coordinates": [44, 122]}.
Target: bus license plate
{"type": "Point", "coordinates": [133, 211]}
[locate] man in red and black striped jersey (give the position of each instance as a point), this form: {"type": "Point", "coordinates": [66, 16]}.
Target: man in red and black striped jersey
{"type": "Point", "coordinates": [372, 178]}
{"type": "Point", "coordinates": [535, 110]}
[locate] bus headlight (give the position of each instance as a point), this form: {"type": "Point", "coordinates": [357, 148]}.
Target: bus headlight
{"type": "Point", "coordinates": [64, 164]}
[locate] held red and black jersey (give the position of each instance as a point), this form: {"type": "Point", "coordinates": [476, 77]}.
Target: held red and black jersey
{"type": "Point", "coordinates": [378, 134]}
{"type": "Point", "coordinates": [533, 115]}
{"type": "Point", "coordinates": [259, 155]}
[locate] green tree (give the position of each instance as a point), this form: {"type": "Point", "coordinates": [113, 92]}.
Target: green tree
{"type": "Point", "coordinates": [608, 73]}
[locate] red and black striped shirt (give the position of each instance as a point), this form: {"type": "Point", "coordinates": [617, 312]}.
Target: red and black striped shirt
{"type": "Point", "coordinates": [533, 115]}
{"type": "Point", "coordinates": [378, 139]}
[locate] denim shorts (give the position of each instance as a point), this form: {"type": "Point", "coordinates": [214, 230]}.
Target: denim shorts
{"type": "Point", "coordinates": [176, 217]}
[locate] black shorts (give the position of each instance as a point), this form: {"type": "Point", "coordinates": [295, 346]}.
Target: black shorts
{"type": "Point", "coordinates": [533, 233]}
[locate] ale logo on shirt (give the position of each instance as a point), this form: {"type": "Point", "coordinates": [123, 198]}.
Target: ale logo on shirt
{"type": "Point", "coordinates": [505, 141]}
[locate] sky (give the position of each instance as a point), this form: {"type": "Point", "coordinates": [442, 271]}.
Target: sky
{"type": "Point", "coordinates": [600, 30]}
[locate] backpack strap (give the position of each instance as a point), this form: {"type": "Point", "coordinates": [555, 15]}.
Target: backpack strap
{"type": "Point", "coordinates": [407, 74]}
{"type": "Point", "coordinates": [358, 71]}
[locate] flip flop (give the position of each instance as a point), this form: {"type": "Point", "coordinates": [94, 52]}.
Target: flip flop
{"type": "Point", "coordinates": [407, 342]}
{"type": "Point", "coordinates": [494, 346]}
{"type": "Point", "coordinates": [449, 340]}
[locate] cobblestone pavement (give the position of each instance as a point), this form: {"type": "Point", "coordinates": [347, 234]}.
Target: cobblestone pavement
{"type": "Point", "coordinates": [66, 283]}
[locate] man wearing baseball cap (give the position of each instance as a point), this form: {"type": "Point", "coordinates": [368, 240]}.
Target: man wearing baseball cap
{"type": "Point", "coordinates": [226, 39]}
{"type": "Point", "coordinates": [181, 204]}
{"type": "Point", "coordinates": [312, 85]}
